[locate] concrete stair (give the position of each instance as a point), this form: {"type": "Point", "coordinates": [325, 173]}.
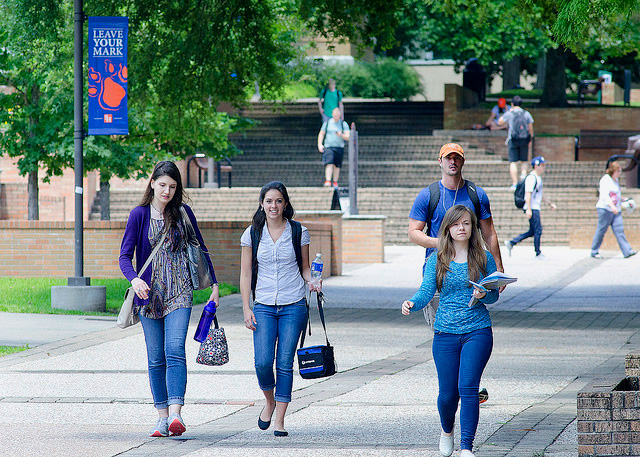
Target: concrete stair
{"type": "Point", "coordinates": [372, 118]}
{"type": "Point", "coordinates": [576, 208]}
{"type": "Point", "coordinates": [235, 204]}
{"type": "Point", "coordinates": [485, 173]}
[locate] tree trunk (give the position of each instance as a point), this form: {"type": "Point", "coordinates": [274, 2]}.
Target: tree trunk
{"type": "Point", "coordinates": [105, 209]}
{"type": "Point", "coordinates": [541, 71]}
{"type": "Point", "coordinates": [511, 73]}
{"type": "Point", "coordinates": [555, 81]}
{"type": "Point", "coordinates": [32, 191]}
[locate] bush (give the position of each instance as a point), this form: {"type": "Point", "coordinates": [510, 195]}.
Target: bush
{"type": "Point", "coordinates": [386, 78]}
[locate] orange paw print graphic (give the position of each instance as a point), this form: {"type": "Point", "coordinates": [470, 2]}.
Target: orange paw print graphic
{"type": "Point", "coordinates": [109, 86]}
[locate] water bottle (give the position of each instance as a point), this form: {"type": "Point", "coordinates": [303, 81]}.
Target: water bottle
{"type": "Point", "coordinates": [316, 270]}
{"type": "Point", "coordinates": [206, 319]}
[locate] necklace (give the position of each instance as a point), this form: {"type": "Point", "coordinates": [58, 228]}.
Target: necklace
{"type": "Point", "coordinates": [158, 212]}
{"type": "Point", "coordinates": [455, 197]}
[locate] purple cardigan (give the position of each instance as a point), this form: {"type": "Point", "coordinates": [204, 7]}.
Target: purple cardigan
{"type": "Point", "coordinates": [136, 237]}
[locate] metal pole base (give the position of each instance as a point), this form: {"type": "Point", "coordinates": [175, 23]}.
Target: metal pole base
{"type": "Point", "coordinates": [78, 281]}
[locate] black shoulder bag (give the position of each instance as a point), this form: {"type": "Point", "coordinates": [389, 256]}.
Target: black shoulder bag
{"type": "Point", "coordinates": [316, 361]}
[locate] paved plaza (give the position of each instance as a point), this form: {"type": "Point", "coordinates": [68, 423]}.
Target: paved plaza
{"type": "Point", "coordinates": [82, 390]}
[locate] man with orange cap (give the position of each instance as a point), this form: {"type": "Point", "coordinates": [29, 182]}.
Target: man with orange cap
{"type": "Point", "coordinates": [496, 112]}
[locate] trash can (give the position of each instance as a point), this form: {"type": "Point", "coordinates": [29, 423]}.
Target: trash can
{"type": "Point", "coordinates": [475, 78]}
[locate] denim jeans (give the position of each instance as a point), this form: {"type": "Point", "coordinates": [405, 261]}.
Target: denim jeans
{"type": "Point", "coordinates": [535, 230]}
{"type": "Point", "coordinates": [607, 219]}
{"type": "Point", "coordinates": [460, 361]}
{"type": "Point", "coordinates": [165, 340]}
{"type": "Point", "coordinates": [276, 337]}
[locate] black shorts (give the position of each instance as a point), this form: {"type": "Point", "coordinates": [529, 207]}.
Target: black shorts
{"type": "Point", "coordinates": [519, 149]}
{"type": "Point", "coordinates": [333, 156]}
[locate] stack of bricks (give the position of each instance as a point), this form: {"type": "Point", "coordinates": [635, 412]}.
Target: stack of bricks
{"type": "Point", "coordinates": [609, 415]}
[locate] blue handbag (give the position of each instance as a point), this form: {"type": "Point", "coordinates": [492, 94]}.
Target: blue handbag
{"type": "Point", "coordinates": [316, 361]}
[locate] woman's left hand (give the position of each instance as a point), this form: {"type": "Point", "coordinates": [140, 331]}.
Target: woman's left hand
{"type": "Point", "coordinates": [477, 293]}
{"type": "Point", "coordinates": [215, 295]}
{"type": "Point", "coordinates": [315, 287]}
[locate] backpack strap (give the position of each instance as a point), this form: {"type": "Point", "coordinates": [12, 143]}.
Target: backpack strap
{"type": "Point", "coordinates": [473, 196]}
{"type": "Point", "coordinates": [296, 239]}
{"type": "Point", "coordinates": [434, 198]}
{"type": "Point", "coordinates": [324, 92]}
{"type": "Point", "coordinates": [255, 241]}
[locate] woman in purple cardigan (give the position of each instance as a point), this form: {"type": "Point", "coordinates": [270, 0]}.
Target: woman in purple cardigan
{"type": "Point", "coordinates": [164, 291]}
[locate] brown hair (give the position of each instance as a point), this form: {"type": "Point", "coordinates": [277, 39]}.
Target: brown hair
{"type": "Point", "coordinates": [476, 257]}
{"type": "Point", "coordinates": [613, 167]}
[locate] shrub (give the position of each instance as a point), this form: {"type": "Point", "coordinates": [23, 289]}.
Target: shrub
{"type": "Point", "coordinates": [385, 78]}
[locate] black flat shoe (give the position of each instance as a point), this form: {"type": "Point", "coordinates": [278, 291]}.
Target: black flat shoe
{"type": "Point", "coordinates": [280, 433]}
{"type": "Point", "coordinates": [263, 425]}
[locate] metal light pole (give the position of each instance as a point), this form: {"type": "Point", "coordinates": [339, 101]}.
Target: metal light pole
{"type": "Point", "coordinates": [353, 171]}
{"type": "Point", "coordinates": [78, 138]}
{"type": "Point", "coordinates": [78, 294]}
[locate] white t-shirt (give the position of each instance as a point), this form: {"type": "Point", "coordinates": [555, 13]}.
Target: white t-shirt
{"type": "Point", "coordinates": [609, 193]}
{"type": "Point", "coordinates": [279, 280]}
{"type": "Point", "coordinates": [533, 184]}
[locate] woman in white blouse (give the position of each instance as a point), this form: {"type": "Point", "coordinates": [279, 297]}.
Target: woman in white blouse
{"type": "Point", "coordinates": [610, 212]}
{"type": "Point", "coordinates": [276, 277]}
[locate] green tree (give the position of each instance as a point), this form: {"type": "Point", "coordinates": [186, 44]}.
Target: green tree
{"type": "Point", "coordinates": [185, 58]}
{"type": "Point", "coordinates": [37, 116]}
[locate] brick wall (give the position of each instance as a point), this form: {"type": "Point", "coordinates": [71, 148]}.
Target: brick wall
{"type": "Point", "coordinates": [56, 198]}
{"type": "Point", "coordinates": [41, 248]}
{"type": "Point", "coordinates": [334, 218]}
{"type": "Point", "coordinates": [553, 148]}
{"type": "Point", "coordinates": [609, 419]}
{"type": "Point", "coordinates": [580, 237]}
{"type": "Point", "coordinates": [554, 121]}
{"type": "Point", "coordinates": [363, 239]}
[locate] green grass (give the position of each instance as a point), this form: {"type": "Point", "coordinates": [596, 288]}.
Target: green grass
{"type": "Point", "coordinates": [6, 350]}
{"type": "Point", "coordinates": [33, 295]}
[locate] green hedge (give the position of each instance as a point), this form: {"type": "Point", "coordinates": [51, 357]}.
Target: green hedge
{"type": "Point", "coordinates": [385, 78]}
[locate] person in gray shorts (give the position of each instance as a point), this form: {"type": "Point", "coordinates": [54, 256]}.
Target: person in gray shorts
{"type": "Point", "coordinates": [331, 140]}
{"type": "Point", "coordinates": [520, 134]}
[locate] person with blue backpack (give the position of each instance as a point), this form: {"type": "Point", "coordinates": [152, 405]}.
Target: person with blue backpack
{"type": "Point", "coordinates": [520, 134]}
{"type": "Point", "coordinates": [274, 269]}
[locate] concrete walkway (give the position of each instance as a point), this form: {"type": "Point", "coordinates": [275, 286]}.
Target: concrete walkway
{"type": "Point", "coordinates": [568, 319]}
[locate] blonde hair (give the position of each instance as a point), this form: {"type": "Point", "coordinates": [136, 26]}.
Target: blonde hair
{"type": "Point", "coordinates": [476, 257]}
{"type": "Point", "coordinates": [613, 167]}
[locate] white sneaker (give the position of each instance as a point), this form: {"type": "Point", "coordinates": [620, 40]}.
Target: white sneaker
{"type": "Point", "coordinates": [161, 428]}
{"type": "Point", "coordinates": [540, 256]}
{"type": "Point", "coordinates": [509, 245]}
{"type": "Point", "coordinates": [466, 453]}
{"type": "Point", "coordinates": [446, 443]}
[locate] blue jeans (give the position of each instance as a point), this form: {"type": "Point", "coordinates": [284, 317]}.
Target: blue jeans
{"type": "Point", "coordinates": [607, 219]}
{"type": "Point", "coordinates": [535, 230]}
{"type": "Point", "coordinates": [460, 361]}
{"type": "Point", "coordinates": [281, 325]}
{"type": "Point", "coordinates": [165, 340]}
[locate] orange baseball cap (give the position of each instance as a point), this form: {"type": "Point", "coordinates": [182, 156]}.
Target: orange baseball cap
{"type": "Point", "coordinates": [502, 103]}
{"type": "Point", "coordinates": [450, 148]}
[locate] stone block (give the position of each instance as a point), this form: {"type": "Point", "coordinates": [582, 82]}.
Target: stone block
{"type": "Point", "coordinates": [613, 450]}
{"type": "Point", "coordinates": [81, 298]}
{"type": "Point", "coordinates": [596, 438]}
{"type": "Point", "coordinates": [594, 414]}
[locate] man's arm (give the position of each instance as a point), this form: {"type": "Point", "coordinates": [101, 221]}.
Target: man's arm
{"type": "Point", "coordinates": [320, 102]}
{"type": "Point", "coordinates": [320, 140]}
{"type": "Point", "coordinates": [491, 238]}
{"type": "Point", "coordinates": [530, 128]}
{"type": "Point", "coordinates": [341, 106]}
{"type": "Point", "coordinates": [417, 236]}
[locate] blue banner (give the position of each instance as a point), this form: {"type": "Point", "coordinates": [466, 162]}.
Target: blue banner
{"type": "Point", "coordinates": [108, 75]}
